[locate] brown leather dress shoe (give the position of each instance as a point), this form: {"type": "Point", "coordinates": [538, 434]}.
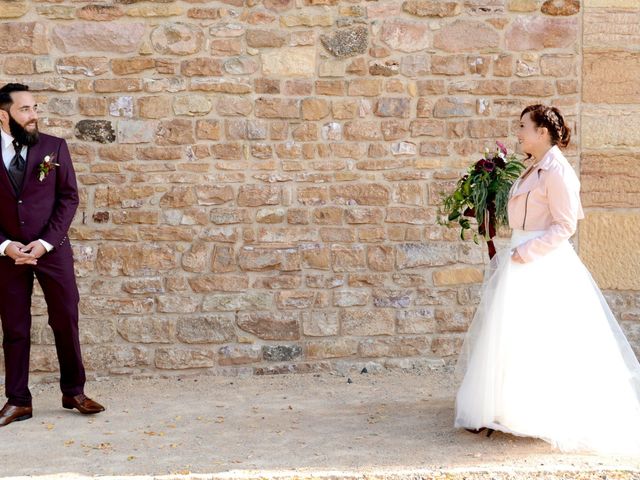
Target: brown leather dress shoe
{"type": "Point", "coordinates": [11, 413]}
{"type": "Point", "coordinates": [82, 403]}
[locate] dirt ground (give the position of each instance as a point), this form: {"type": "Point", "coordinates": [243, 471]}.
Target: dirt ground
{"type": "Point", "coordinates": [229, 427]}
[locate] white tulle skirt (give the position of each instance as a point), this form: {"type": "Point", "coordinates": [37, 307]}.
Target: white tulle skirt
{"type": "Point", "coordinates": [545, 357]}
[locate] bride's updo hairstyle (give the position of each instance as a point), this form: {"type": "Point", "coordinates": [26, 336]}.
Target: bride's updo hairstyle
{"type": "Point", "coordinates": [551, 119]}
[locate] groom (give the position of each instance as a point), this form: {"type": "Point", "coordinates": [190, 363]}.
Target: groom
{"type": "Point", "coordinates": [38, 199]}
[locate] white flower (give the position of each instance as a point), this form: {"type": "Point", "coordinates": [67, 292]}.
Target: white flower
{"type": "Point", "coordinates": [41, 176]}
{"type": "Point", "coordinates": [47, 159]}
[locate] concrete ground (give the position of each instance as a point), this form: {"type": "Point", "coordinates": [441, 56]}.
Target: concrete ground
{"type": "Point", "coordinates": [388, 425]}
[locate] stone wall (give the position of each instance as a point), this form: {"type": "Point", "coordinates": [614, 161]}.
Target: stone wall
{"type": "Point", "coordinates": [260, 178]}
{"type": "Point", "coordinates": [610, 118]}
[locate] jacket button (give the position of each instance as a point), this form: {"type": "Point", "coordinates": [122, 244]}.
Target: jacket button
{"type": "Point", "coordinates": [21, 223]}
{"type": "Point", "coordinates": [20, 201]}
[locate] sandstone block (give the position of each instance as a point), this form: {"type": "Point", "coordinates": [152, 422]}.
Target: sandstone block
{"type": "Point", "coordinates": [350, 298]}
{"type": "Point", "coordinates": [454, 107]}
{"type": "Point", "coordinates": [538, 33]}
{"type": "Point", "coordinates": [219, 283]}
{"type": "Point", "coordinates": [175, 132]}
{"type": "Point", "coordinates": [289, 62]}
{"type": "Point", "coordinates": [212, 328]}
{"type": "Point", "coordinates": [618, 71]}
{"type": "Point", "coordinates": [265, 38]}
{"type": "Point", "coordinates": [277, 108]}
{"type": "Point", "coordinates": [362, 130]}
{"type": "Point", "coordinates": [178, 358]}
{"type": "Point", "coordinates": [560, 7]}
{"type": "Point", "coordinates": [175, 38]}
{"type": "Point", "coordinates": [295, 299]}
{"type": "Point", "coordinates": [606, 30]}
{"type": "Point", "coordinates": [155, 106]}
{"type": "Point", "coordinates": [81, 37]}
{"type": "Point", "coordinates": [321, 324]}
{"type": "Point", "coordinates": [100, 13]}
{"type": "Point", "coordinates": [23, 37]}
{"type": "Point", "coordinates": [131, 260]}
{"type": "Point", "coordinates": [380, 321]}
{"type": "Point", "coordinates": [208, 129]}
{"type": "Point", "coordinates": [191, 105]}
{"type": "Point", "coordinates": [306, 20]}
{"type": "Point", "coordinates": [411, 255]}
{"type": "Point", "coordinates": [271, 326]}
{"type": "Point", "coordinates": [268, 258]}
{"type": "Point", "coordinates": [235, 301]}
{"type": "Point", "coordinates": [335, 348]}
{"type": "Point", "coordinates": [146, 329]}
{"type": "Point", "coordinates": [239, 354]}
{"type": "Point", "coordinates": [465, 35]}
{"type": "Point", "coordinates": [616, 266]}
{"type": "Point", "coordinates": [431, 8]}
{"type": "Point", "coordinates": [457, 276]}
{"type": "Point", "coordinates": [314, 108]}
{"type": "Point", "coordinates": [405, 36]}
{"type": "Point", "coordinates": [601, 130]}
{"type": "Point", "coordinates": [348, 258]}
{"type": "Point", "coordinates": [393, 107]}
{"type": "Point", "coordinates": [418, 321]}
{"type": "Point", "coordinates": [362, 194]}
{"type": "Point", "coordinates": [150, 11]}
{"type": "Point", "coordinates": [610, 180]}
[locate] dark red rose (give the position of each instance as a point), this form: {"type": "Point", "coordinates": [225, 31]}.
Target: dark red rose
{"type": "Point", "coordinates": [488, 166]}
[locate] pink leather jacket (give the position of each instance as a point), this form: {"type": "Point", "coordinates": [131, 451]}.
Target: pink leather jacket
{"type": "Point", "coordinates": [548, 199]}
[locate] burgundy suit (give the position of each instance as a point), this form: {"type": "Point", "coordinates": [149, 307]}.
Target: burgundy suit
{"type": "Point", "coordinates": [42, 210]}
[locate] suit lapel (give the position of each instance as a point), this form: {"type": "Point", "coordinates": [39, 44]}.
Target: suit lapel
{"type": "Point", "coordinates": [529, 183]}
{"type": "Point", "coordinates": [4, 177]}
{"type": "Point", "coordinates": [526, 185]}
{"type": "Point", "coordinates": [34, 157]}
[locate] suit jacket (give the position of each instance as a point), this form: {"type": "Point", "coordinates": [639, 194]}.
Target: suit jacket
{"type": "Point", "coordinates": [548, 199]}
{"type": "Point", "coordinates": [43, 209]}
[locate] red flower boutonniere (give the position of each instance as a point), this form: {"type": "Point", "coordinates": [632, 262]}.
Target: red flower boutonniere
{"type": "Point", "coordinates": [47, 164]}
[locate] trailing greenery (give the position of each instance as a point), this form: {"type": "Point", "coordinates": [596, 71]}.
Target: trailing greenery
{"type": "Point", "coordinates": [482, 193]}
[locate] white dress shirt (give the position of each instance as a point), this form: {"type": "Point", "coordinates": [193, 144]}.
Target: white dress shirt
{"type": "Point", "coordinates": [8, 152]}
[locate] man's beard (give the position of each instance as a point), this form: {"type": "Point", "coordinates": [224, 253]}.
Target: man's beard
{"type": "Point", "coordinates": [21, 135]}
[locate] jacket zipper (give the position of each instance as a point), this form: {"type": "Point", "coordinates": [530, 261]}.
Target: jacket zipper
{"type": "Point", "coordinates": [526, 204]}
{"type": "Point", "coordinates": [526, 201]}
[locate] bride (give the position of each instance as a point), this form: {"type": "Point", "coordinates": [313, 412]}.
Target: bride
{"type": "Point", "coordinates": [544, 356]}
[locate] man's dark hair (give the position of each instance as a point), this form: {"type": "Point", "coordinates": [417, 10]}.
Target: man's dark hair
{"type": "Point", "coordinates": [5, 94]}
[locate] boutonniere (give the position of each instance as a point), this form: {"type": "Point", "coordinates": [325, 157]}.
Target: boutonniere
{"type": "Point", "coordinates": [47, 164]}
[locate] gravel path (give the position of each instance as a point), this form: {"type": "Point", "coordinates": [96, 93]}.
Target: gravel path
{"type": "Point", "coordinates": [387, 425]}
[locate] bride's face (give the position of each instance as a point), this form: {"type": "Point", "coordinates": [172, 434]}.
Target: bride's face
{"type": "Point", "coordinates": [531, 137]}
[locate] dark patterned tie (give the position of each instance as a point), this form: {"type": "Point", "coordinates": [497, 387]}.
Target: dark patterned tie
{"type": "Point", "coordinates": [16, 168]}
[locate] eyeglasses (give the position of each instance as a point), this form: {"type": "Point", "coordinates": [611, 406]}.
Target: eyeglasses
{"type": "Point", "coordinates": [30, 109]}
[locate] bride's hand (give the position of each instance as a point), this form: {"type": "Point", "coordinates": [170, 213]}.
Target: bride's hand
{"type": "Point", "coordinates": [515, 257]}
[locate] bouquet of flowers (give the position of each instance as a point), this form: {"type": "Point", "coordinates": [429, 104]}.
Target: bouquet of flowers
{"type": "Point", "coordinates": [482, 193]}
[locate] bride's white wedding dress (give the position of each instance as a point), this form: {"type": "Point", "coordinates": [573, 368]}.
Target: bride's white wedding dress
{"type": "Point", "coordinates": [545, 357]}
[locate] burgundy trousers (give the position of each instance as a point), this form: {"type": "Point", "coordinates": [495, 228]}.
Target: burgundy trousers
{"type": "Point", "coordinates": [55, 275]}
